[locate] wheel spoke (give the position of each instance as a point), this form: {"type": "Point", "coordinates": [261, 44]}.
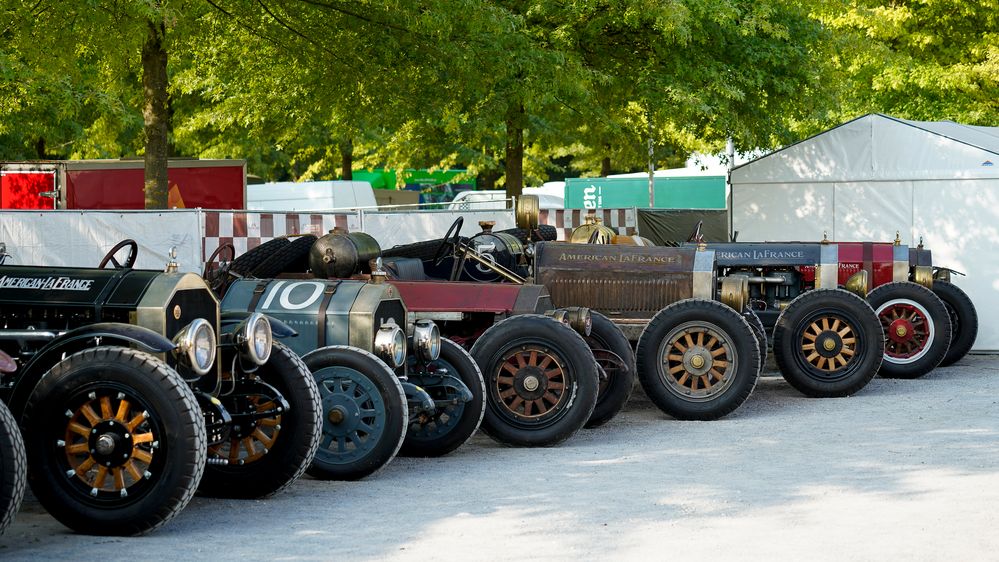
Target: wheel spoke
{"type": "Point", "coordinates": [90, 414]}
{"type": "Point", "coordinates": [142, 438]}
{"type": "Point", "coordinates": [533, 359]}
{"type": "Point", "coordinates": [79, 429]}
{"type": "Point", "coordinates": [122, 413]}
{"type": "Point", "coordinates": [78, 449]}
{"type": "Point", "coordinates": [105, 407]}
{"type": "Point", "coordinates": [141, 455]}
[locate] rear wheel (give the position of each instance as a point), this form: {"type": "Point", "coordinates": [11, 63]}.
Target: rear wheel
{"type": "Point", "coordinates": [916, 327]}
{"type": "Point", "coordinates": [541, 381]}
{"type": "Point", "coordinates": [760, 333]}
{"type": "Point", "coordinates": [274, 434]}
{"type": "Point", "coordinates": [364, 413]}
{"type": "Point", "coordinates": [828, 343]}
{"type": "Point", "coordinates": [698, 360]}
{"type": "Point", "coordinates": [116, 442]}
{"type": "Point", "coordinates": [452, 424]}
{"type": "Point", "coordinates": [614, 355]}
{"type": "Point", "coordinates": [13, 468]}
{"type": "Point", "coordinates": [963, 320]}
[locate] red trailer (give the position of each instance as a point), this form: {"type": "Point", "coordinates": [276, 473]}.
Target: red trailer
{"type": "Point", "coordinates": [118, 184]}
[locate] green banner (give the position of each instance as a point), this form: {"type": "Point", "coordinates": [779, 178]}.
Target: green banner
{"type": "Point", "coordinates": [681, 192]}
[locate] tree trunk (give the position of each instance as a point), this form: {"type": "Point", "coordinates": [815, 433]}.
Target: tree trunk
{"type": "Point", "coordinates": [605, 168]}
{"type": "Point", "coordinates": [515, 150]}
{"type": "Point", "coordinates": [155, 116]}
{"type": "Point", "coordinates": [487, 179]}
{"type": "Point", "coordinates": [347, 159]}
{"type": "Point", "coordinates": [40, 148]}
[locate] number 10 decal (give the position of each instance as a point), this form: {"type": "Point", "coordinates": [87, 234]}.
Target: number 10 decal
{"type": "Point", "coordinates": [286, 289]}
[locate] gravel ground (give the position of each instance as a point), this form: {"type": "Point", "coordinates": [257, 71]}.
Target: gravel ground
{"type": "Point", "coordinates": [905, 470]}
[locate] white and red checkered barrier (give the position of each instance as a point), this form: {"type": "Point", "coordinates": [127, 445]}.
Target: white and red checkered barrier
{"type": "Point", "coordinates": [624, 221]}
{"type": "Point", "coordinates": [246, 230]}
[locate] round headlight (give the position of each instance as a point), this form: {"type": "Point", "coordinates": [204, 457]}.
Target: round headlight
{"type": "Point", "coordinates": [196, 346]}
{"type": "Point", "coordinates": [399, 348]}
{"type": "Point", "coordinates": [390, 344]}
{"type": "Point", "coordinates": [427, 338]}
{"type": "Point", "coordinates": [257, 338]}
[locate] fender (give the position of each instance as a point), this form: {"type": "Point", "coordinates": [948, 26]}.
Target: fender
{"type": "Point", "coordinates": [116, 334]}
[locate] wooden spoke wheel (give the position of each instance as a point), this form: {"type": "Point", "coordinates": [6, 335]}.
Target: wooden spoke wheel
{"type": "Point", "coordinates": [109, 442]}
{"type": "Point", "coordinates": [541, 380]}
{"type": "Point", "coordinates": [250, 442]}
{"type": "Point", "coordinates": [115, 440]}
{"type": "Point", "coordinates": [829, 343]}
{"type": "Point", "coordinates": [530, 383]}
{"type": "Point", "coordinates": [697, 360]}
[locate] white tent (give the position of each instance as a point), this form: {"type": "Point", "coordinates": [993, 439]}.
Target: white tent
{"type": "Point", "coordinates": [875, 175]}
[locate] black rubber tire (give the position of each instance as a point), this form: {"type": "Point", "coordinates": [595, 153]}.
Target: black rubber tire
{"type": "Point", "coordinates": [433, 439]}
{"type": "Point", "coordinates": [175, 423]}
{"type": "Point", "coordinates": [246, 263]}
{"type": "Point", "coordinates": [297, 436]}
{"type": "Point", "coordinates": [289, 258]}
{"type": "Point", "coordinates": [420, 250]}
{"type": "Point", "coordinates": [13, 468]}
{"type": "Point", "coordinates": [789, 332]}
{"type": "Point", "coordinates": [555, 341]}
{"type": "Point", "coordinates": [333, 364]}
{"type": "Point", "coordinates": [544, 232]}
{"type": "Point", "coordinates": [913, 295]}
{"type": "Point", "coordinates": [963, 320]}
{"type": "Point", "coordinates": [715, 320]}
{"type": "Point", "coordinates": [613, 394]}
{"type": "Point", "coordinates": [760, 333]}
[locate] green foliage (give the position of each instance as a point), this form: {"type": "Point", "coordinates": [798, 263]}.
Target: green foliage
{"type": "Point", "coordinates": [927, 59]}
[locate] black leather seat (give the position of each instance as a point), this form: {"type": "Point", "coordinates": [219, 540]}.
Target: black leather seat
{"type": "Point", "coordinates": [406, 269]}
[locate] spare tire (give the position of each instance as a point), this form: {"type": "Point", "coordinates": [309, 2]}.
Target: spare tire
{"type": "Point", "coordinates": [246, 263]}
{"type": "Point", "coordinates": [292, 257]}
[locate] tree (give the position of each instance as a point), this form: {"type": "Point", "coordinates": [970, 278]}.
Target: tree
{"type": "Point", "coordinates": [929, 60]}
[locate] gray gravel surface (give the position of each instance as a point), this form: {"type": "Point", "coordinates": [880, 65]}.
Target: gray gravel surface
{"type": "Point", "coordinates": [905, 470]}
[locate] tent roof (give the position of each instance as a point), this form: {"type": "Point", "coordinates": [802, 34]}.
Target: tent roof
{"type": "Point", "coordinates": [878, 147]}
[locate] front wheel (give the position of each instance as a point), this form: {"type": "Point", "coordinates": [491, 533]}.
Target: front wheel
{"type": "Point", "coordinates": [13, 468]}
{"type": "Point", "coordinates": [454, 421]}
{"type": "Point", "coordinates": [541, 380]}
{"type": "Point", "coordinates": [115, 440]}
{"type": "Point", "coordinates": [364, 412]}
{"type": "Point", "coordinates": [274, 434]}
{"type": "Point", "coordinates": [963, 320]}
{"type": "Point", "coordinates": [916, 326]}
{"type": "Point", "coordinates": [698, 360]}
{"type": "Point", "coordinates": [828, 343]}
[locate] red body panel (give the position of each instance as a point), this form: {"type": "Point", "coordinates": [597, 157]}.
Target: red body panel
{"type": "Point", "coordinates": [445, 296]}
{"type": "Point", "coordinates": [21, 190]}
{"type": "Point", "coordinates": [876, 257]}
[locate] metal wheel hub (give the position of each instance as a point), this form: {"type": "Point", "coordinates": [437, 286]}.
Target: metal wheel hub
{"type": "Point", "coordinates": [110, 443]}
{"type": "Point", "coordinates": [697, 361]}
{"type": "Point", "coordinates": [531, 383]}
{"type": "Point", "coordinates": [900, 330]}
{"type": "Point", "coordinates": [342, 414]}
{"type": "Point", "coordinates": [829, 344]}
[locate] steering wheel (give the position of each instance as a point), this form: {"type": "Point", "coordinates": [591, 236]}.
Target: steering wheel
{"type": "Point", "coordinates": [696, 235]}
{"type": "Point", "coordinates": [452, 234]}
{"type": "Point", "coordinates": [216, 277]}
{"type": "Point", "coordinates": [133, 252]}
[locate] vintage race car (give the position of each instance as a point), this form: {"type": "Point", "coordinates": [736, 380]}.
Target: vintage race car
{"type": "Point", "coordinates": [927, 320]}
{"type": "Point", "coordinates": [380, 393]}
{"type": "Point", "coordinates": [130, 401]}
